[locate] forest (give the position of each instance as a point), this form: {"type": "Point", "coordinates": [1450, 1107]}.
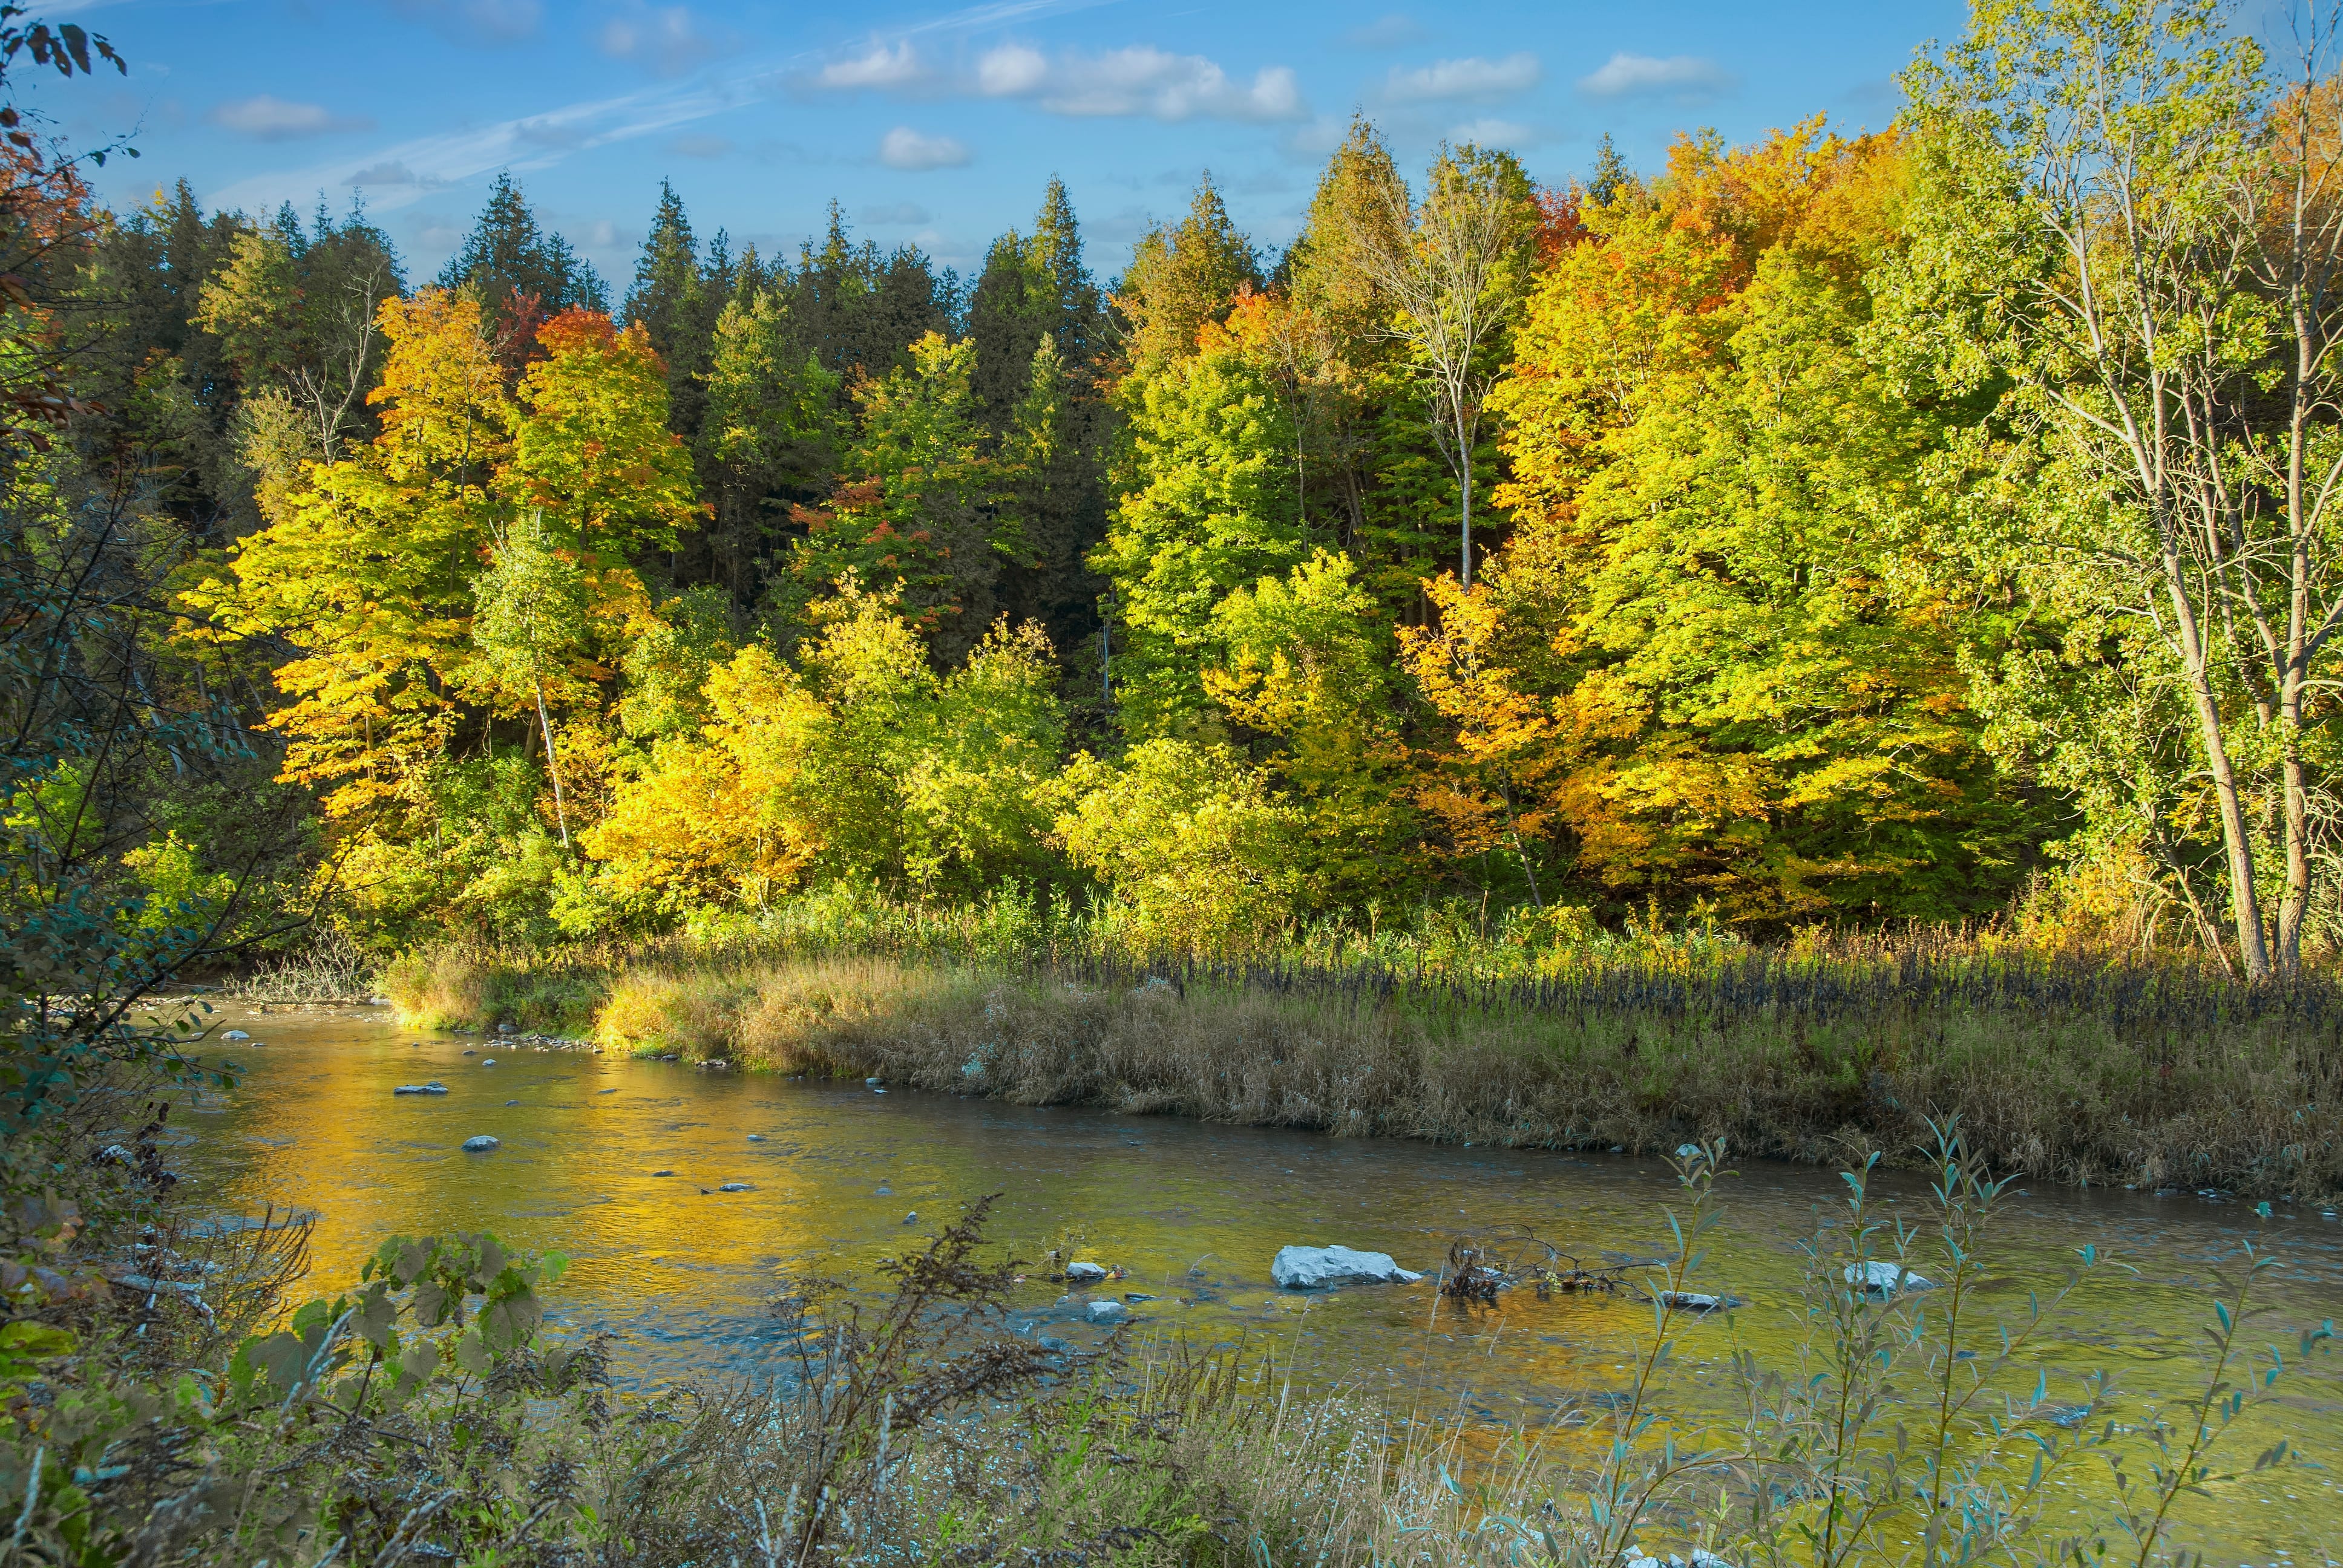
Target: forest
{"type": "Point", "coordinates": [1839, 531]}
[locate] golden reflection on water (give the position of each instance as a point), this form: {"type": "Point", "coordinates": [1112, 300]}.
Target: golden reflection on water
{"type": "Point", "coordinates": [1195, 1214]}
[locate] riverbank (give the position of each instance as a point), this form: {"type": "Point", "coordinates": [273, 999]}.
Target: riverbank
{"type": "Point", "coordinates": [2090, 1076]}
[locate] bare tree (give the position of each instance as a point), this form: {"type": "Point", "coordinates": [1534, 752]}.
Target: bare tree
{"type": "Point", "coordinates": [2142, 232]}
{"type": "Point", "coordinates": [1457, 269]}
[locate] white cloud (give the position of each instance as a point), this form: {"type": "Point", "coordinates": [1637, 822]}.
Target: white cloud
{"type": "Point", "coordinates": [905, 148]}
{"type": "Point", "coordinates": [1011, 71]}
{"type": "Point", "coordinates": [273, 119]}
{"type": "Point", "coordinates": [880, 67]}
{"type": "Point", "coordinates": [1140, 80]}
{"type": "Point", "coordinates": [902, 212]}
{"type": "Point", "coordinates": [1625, 75]}
{"type": "Point", "coordinates": [664, 38]}
{"type": "Point", "coordinates": [1473, 79]}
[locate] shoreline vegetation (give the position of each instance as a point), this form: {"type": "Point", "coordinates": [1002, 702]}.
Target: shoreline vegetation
{"type": "Point", "coordinates": [2076, 1069]}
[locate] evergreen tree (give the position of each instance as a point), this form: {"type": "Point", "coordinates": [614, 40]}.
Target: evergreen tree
{"type": "Point", "coordinates": [1610, 173]}
{"type": "Point", "coordinates": [1038, 324]}
{"type": "Point", "coordinates": [858, 309]}
{"type": "Point", "coordinates": [521, 274]}
{"type": "Point", "coordinates": [672, 300]}
{"type": "Point", "coordinates": [1181, 277]}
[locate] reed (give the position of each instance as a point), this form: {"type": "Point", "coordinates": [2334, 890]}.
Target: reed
{"type": "Point", "coordinates": [2086, 1074]}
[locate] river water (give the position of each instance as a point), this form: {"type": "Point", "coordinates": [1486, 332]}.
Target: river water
{"type": "Point", "coordinates": [1195, 1214]}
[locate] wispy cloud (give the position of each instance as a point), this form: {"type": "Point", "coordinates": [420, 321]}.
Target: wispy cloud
{"type": "Point", "coordinates": [274, 119]}
{"type": "Point", "coordinates": [664, 38]}
{"type": "Point", "coordinates": [900, 214]}
{"type": "Point", "coordinates": [905, 148]}
{"type": "Point", "coordinates": [390, 174]}
{"type": "Point", "coordinates": [1387, 32]}
{"type": "Point", "coordinates": [883, 65]}
{"type": "Point", "coordinates": [537, 141]}
{"type": "Point", "coordinates": [477, 21]}
{"type": "Point", "coordinates": [1467, 79]}
{"type": "Point", "coordinates": [1625, 75]}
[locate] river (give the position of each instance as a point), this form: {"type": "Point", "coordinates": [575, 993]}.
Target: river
{"type": "Point", "coordinates": [1195, 1214]}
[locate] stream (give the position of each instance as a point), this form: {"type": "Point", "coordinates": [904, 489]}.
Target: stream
{"type": "Point", "coordinates": [1193, 1212]}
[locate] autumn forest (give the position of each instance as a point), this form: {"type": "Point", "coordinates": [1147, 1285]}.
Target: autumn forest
{"type": "Point", "coordinates": [1845, 529]}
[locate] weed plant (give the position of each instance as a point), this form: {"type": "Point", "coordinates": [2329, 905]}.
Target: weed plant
{"type": "Point", "coordinates": [2073, 1069]}
{"type": "Point", "coordinates": [423, 1415]}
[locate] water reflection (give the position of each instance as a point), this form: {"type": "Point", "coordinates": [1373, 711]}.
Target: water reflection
{"type": "Point", "coordinates": [827, 1174]}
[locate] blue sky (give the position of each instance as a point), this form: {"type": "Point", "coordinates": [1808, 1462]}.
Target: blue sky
{"type": "Point", "coordinates": [933, 125]}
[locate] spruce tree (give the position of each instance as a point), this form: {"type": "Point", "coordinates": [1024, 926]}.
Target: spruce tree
{"type": "Point", "coordinates": [520, 272]}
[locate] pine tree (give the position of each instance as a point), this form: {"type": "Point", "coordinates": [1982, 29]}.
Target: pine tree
{"type": "Point", "coordinates": [670, 301]}
{"type": "Point", "coordinates": [521, 274]}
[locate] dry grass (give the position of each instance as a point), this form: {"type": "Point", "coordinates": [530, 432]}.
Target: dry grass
{"type": "Point", "coordinates": [2073, 1090]}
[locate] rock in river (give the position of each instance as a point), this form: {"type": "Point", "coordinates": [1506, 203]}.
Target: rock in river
{"type": "Point", "coordinates": [734, 1187]}
{"type": "Point", "coordinates": [1696, 1301]}
{"type": "Point", "coordinates": [479, 1144]}
{"type": "Point", "coordinates": [432, 1088]}
{"type": "Point", "coordinates": [236, 1034]}
{"type": "Point", "coordinates": [1106, 1312]}
{"type": "Point", "coordinates": [1085, 1273]}
{"type": "Point", "coordinates": [1318, 1267]}
{"type": "Point", "coordinates": [1880, 1278]}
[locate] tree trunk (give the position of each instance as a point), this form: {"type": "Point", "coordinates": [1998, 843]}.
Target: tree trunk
{"type": "Point", "coordinates": [552, 768]}
{"type": "Point", "coordinates": [1464, 475]}
{"type": "Point", "coordinates": [2253, 948]}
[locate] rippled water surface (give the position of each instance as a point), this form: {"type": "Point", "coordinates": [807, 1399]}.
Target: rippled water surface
{"type": "Point", "coordinates": [1193, 1212]}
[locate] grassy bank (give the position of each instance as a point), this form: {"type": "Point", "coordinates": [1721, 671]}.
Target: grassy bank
{"type": "Point", "coordinates": [2078, 1072]}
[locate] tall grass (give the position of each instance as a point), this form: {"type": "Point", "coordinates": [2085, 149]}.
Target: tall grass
{"type": "Point", "coordinates": [2072, 1066]}
{"type": "Point", "coordinates": [2112, 1077]}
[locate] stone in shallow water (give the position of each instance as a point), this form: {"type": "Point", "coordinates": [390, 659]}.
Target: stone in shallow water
{"type": "Point", "coordinates": [1318, 1267]}
{"type": "Point", "coordinates": [662, 1172]}
{"type": "Point", "coordinates": [1106, 1312]}
{"type": "Point", "coordinates": [1880, 1278]}
{"type": "Point", "coordinates": [734, 1187]}
{"type": "Point", "coordinates": [479, 1144]}
{"type": "Point", "coordinates": [1082, 1274]}
{"type": "Point", "coordinates": [236, 1034]}
{"type": "Point", "coordinates": [1696, 1301]}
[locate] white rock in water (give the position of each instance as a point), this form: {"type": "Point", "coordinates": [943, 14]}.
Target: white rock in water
{"type": "Point", "coordinates": [1084, 1273]}
{"type": "Point", "coordinates": [435, 1087]}
{"type": "Point", "coordinates": [236, 1034]}
{"type": "Point", "coordinates": [488, 1061]}
{"type": "Point", "coordinates": [1880, 1278]}
{"type": "Point", "coordinates": [479, 1145]}
{"type": "Point", "coordinates": [733, 1187]}
{"type": "Point", "coordinates": [1106, 1312]}
{"type": "Point", "coordinates": [410, 1089]}
{"type": "Point", "coordinates": [1696, 1301]}
{"type": "Point", "coordinates": [1317, 1268]}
